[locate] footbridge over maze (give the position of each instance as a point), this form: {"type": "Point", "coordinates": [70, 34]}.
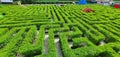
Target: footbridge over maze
{"type": "Point", "coordinates": [59, 31]}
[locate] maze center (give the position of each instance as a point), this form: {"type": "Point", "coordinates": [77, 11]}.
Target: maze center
{"type": "Point", "coordinates": [59, 31]}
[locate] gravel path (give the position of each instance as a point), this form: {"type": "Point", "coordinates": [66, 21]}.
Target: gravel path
{"type": "Point", "coordinates": [102, 43]}
{"type": "Point", "coordinates": [70, 44]}
{"type": "Point", "coordinates": [46, 43]}
{"type": "Point", "coordinates": [59, 51]}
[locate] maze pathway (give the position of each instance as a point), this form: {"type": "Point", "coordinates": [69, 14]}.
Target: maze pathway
{"type": "Point", "coordinates": [59, 31]}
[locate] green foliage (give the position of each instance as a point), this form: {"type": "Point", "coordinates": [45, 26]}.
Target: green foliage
{"type": "Point", "coordinates": [67, 52]}
{"type": "Point", "coordinates": [82, 42]}
{"type": "Point", "coordinates": [23, 30]}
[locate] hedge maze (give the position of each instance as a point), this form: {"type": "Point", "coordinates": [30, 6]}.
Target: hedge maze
{"type": "Point", "coordinates": [59, 31]}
